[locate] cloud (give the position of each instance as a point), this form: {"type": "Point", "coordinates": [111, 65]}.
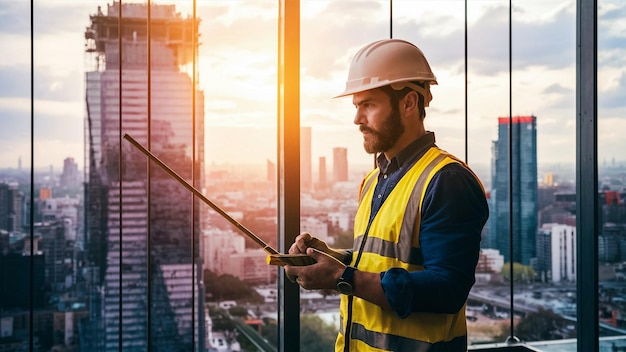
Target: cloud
{"type": "Point", "coordinates": [55, 137]}
{"type": "Point", "coordinates": [608, 12]}
{"type": "Point", "coordinates": [545, 43]}
{"type": "Point", "coordinates": [15, 17]}
{"type": "Point", "coordinates": [52, 119]}
{"type": "Point", "coordinates": [48, 85]}
{"type": "Point", "coordinates": [330, 39]}
{"type": "Point", "coordinates": [19, 122]}
{"type": "Point", "coordinates": [54, 17]}
{"type": "Point", "coordinates": [15, 81]}
{"type": "Point", "coordinates": [239, 49]}
{"type": "Point", "coordinates": [222, 30]}
{"type": "Point", "coordinates": [49, 17]}
{"type": "Point", "coordinates": [557, 88]}
{"type": "Point", "coordinates": [544, 51]}
{"type": "Point", "coordinates": [615, 98]}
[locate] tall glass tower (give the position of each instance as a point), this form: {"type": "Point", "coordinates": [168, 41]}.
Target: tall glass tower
{"type": "Point", "coordinates": [145, 282]}
{"type": "Point", "coordinates": [340, 164]}
{"type": "Point", "coordinates": [523, 181]}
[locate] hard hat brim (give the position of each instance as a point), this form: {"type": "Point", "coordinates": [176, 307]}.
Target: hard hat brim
{"type": "Point", "coordinates": [357, 87]}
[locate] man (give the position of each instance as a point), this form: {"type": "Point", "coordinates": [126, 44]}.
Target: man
{"type": "Point", "coordinates": [417, 229]}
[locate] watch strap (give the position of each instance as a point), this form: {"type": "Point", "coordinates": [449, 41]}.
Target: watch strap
{"type": "Point", "coordinates": [345, 284]}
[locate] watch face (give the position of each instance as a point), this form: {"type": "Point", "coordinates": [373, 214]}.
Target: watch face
{"type": "Point", "coordinates": [344, 287]}
{"type": "Point", "coordinates": [345, 284]}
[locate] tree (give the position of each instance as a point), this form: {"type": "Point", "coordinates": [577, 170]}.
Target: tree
{"type": "Point", "coordinates": [521, 273]}
{"type": "Point", "coordinates": [270, 331]}
{"type": "Point", "coordinates": [544, 325]}
{"type": "Point", "coordinates": [227, 286]}
{"type": "Point", "coordinates": [315, 334]}
{"type": "Point", "coordinates": [238, 311]}
{"type": "Point", "coordinates": [222, 321]}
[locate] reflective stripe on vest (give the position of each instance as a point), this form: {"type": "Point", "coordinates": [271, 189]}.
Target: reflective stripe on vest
{"type": "Point", "coordinates": [393, 241]}
{"type": "Point", "coordinates": [403, 249]}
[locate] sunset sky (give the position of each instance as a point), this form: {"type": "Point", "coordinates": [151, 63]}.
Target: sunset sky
{"type": "Point", "coordinates": [238, 59]}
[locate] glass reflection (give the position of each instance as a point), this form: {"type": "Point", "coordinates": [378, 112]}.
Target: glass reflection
{"type": "Point", "coordinates": [22, 262]}
{"type": "Point", "coordinates": [611, 175]}
{"type": "Point", "coordinates": [90, 201]}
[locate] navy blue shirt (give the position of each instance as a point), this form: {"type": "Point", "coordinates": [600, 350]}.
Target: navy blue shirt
{"type": "Point", "coordinates": [454, 212]}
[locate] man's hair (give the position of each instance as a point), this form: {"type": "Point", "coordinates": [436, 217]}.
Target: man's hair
{"type": "Point", "coordinates": [396, 95]}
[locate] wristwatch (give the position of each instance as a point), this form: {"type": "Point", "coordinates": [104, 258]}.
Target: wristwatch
{"type": "Point", "coordinates": [345, 285]}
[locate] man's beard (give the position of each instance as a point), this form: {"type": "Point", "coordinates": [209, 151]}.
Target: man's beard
{"type": "Point", "coordinates": [385, 138]}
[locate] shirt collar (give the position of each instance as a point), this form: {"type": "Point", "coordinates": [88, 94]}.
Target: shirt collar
{"type": "Point", "coordinates": [410, 152]}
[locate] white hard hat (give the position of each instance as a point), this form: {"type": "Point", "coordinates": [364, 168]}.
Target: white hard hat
{"type": "Point", "coordinates": [392, 62]}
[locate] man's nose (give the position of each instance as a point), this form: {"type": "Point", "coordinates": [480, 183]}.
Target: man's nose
{"type": "Point", "coordinates": [359, 117]}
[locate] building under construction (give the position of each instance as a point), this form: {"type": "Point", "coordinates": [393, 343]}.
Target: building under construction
{"type": "Point", "coordinates": [145, 290]}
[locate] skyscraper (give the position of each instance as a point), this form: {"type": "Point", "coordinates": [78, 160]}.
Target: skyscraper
{"type": "Point", "coordinates": [322, 171]}
{"type": "Point", "coordinates": [140, 223]}
{"type": "Point", "coordinates": [489, 239]}
{"type": "Point", "coordinates": [523, 181]}
{"type": "Point", "coordinates": [340, 164]}
{"type": "Point", "coordinates": [556, 253]}
{"type": "Point", "coordinates": [69, 177]}
{"type": "Point", "coordinates": [10, 208]}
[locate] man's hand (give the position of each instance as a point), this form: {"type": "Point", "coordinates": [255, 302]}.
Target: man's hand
{"type": "Point", "coordinates": [322, 275]}
{"type": "Point", "coordinates": [305, 240]}
{"type": "Point", "coordinates": [325, 273]}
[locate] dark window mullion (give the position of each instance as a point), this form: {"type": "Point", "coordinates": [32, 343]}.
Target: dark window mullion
{"type": "Point", "coordinates": [288, 149]}
{"type": "Point", "coordinates": [193, 197]}
{"type": "Point", "coordinates": [120, 161]}
{"type": "Point", "coordinates": [32, 182]}
{"type": "Point", "coordinates": [149, 182]}
{"type": "Point", "coordinates": [511, 338]}
{"type": "Point", "coordinates": [587, 212]}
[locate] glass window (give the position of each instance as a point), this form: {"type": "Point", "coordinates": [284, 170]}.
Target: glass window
{"type": "Point", "coordinates": [333, 161]}
{"type": "Point", "coordinates": [22, 264]}
{"type": "Point", "coordinates": [101, 249]}
{"type": "Point", "coordinates": [611, 178]}
{"type": "Point", "coordinates": [237, 68]}
{"type": "Point", "coordinates": [526, 106]}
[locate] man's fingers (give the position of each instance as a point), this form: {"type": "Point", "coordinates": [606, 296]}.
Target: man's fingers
{"type": "Point", "coordinates": [317, 255]}
{"type": "Point", "coordinates": [317, 244]}
{"type": "Point", "coordinates": [294, 249]}
{"type": "Point", "coordinates": [290, 274]}
{"type": "Point", "coordinates": [301, 241]}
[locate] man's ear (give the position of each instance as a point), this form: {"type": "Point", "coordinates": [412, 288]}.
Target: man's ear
{"type": "Point", "coordinates": [408, 104]}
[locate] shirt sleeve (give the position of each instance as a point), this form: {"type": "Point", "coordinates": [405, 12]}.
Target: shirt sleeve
{"type": "Point", "coordinates": [454, 212]}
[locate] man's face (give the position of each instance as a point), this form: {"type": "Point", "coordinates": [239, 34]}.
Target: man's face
{"type": "Point", "coordinates": [378, 121]}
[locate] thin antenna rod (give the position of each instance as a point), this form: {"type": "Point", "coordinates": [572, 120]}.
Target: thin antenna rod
{"type": "Point", "coordinates": [182, 181]}
{"type": "Point", "coordinates": [390, 19]}
{"type": "Point", "coordinates": [31, 220]}
{"type": "Point", "coordinates": [466, 100]}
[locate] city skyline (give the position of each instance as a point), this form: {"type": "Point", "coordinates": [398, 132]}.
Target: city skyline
{"type": "Point", "coordinates": [238, 74]}
{"type": "Point", "coordinates": [120, 248]}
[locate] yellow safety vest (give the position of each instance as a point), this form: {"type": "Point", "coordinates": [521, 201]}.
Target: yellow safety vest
{"type": "Point", "coordinates": [392, 241]}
